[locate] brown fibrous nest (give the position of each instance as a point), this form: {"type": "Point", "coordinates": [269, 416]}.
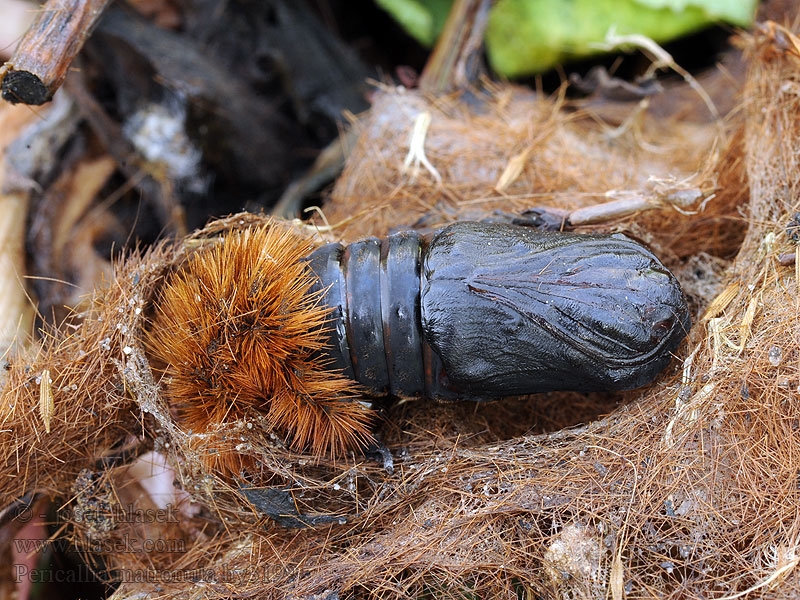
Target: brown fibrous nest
{"type": "Point", "coordinates": [686, 488]}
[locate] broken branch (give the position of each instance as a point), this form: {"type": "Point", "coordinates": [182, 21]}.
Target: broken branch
{"type": "Point", "coordinates": [44, 54]}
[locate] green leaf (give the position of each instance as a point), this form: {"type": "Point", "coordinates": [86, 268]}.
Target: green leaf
{"type": "Point", "coordinates": [529, 36]}
{"type": "Point", "coordinates": [735, 12]}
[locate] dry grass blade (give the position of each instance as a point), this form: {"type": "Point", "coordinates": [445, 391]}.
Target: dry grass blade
{"type": "Point", "coordinates": [46, 403]}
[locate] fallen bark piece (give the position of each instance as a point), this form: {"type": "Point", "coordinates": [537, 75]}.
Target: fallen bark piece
{"type": "Point", "coordinates": [44, 54]}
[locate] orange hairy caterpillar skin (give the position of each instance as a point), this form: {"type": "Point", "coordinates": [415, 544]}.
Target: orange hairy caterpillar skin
{"type": "Point", "coordinates": [237, 331]}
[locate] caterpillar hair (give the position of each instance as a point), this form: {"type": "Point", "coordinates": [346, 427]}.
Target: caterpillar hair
{"type": "Point", "coordinates": [237, 333]}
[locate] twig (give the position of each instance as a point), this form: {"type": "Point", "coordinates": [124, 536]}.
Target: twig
{"type": "Point", "coordinates": [680, 199]}
{"type": "Point", "coordinates": [454, 63]}
{"type": "Point", "coordinates": [44, 54]}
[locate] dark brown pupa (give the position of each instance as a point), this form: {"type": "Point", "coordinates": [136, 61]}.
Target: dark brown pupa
{"type": "Point", "coordinates": [483, 311]}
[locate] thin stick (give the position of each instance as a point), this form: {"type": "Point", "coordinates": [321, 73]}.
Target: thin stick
{"type": "Point", "coordinates": [681, 200]}
{"type": "Point", "coordinates": [44, 54]}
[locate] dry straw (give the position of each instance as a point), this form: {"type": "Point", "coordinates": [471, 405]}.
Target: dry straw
{"type": "Point", "coordinates": [688, 488]}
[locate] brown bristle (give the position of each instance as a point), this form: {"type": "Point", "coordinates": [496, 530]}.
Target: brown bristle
{"type": "Point", "coordinates": [238, 332]}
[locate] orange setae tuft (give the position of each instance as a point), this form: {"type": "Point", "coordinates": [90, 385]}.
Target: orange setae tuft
{"type": "Point", "coordinates": [238, 331]}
